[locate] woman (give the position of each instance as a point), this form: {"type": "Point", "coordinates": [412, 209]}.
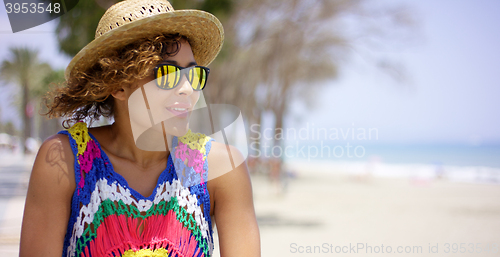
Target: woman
{"type": "Point", "coordinates": [105, 191]}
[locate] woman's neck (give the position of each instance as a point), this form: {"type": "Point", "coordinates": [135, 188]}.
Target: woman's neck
{"type": "Point", "coordinates": [119, 141]}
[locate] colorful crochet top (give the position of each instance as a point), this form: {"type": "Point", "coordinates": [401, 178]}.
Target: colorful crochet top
{"type": "Point", "coordinates": [108, 218]}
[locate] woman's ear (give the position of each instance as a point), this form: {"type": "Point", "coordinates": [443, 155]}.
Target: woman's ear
{"type": "Point", "coordinates": [119, 94]}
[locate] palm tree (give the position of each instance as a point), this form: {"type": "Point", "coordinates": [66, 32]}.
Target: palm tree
{"type": "Point", "coordinates": [24, 69]}
{"type": "Point", "coordinates": [48, 127]}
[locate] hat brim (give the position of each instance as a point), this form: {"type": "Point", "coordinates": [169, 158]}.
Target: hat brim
{"type": "Point", "coordinates": [203, 30]}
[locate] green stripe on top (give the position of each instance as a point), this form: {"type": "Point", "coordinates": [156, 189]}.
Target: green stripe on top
{"type": "Point", "coordinates": [108, 208]}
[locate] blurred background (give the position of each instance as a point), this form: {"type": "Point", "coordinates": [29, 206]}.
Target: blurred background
{"type": "Point", "coordinates": [368, 123]}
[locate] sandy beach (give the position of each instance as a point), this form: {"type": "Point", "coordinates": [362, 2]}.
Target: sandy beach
{"type": "Point", "coordinates": [329, 212]}
{"type": "Point", "coordinates": [335, 211]}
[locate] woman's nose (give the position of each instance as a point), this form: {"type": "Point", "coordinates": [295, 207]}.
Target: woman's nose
{"type": "Point", "coordinates": [184, 87]}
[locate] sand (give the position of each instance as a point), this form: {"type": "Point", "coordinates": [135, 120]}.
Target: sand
{"type": "Point", "coordinates": [335, 211]}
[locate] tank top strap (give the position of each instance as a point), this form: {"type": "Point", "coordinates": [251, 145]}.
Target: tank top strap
{"type": "Point", "coordinates": [191, 166]}
{"type": "Point", "coordinates": [190, 158]}
{"type": "Point", "coordinates": [85, 151]}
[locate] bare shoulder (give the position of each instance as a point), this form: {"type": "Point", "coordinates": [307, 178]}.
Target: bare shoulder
{"type": "Point", "coordinates": [233, 202]}
{"type": "Point", "coordinates": [48, 200]}
{"type": "Point", "coordinates": [54, 164]}
{"type": "Point", "coordinates": [56, 150]}
{"type": "Point", "coordinates": [57, 141]}
{"type": "Point", "coordinates": [224, 158]}
{"type": "Point", "coordinates": [228, 173]}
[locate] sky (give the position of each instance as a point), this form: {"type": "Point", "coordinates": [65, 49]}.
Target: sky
{"type": "Point", "coordinates": [450, 94]}
{"type": "Point", "coordinates": [452, 91]}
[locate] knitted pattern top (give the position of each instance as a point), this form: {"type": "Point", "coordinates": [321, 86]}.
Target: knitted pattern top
{"type": "Point", "coordinates": [109, 218]}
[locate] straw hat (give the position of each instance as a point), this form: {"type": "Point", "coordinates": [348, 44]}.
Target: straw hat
{"type": "Point", "coordinates": [128, 21]}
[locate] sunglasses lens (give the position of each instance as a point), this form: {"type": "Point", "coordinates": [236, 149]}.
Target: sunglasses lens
{"type": "Point", "coordinates": [198, 78]}
{"type": "Point", "coordinates": [168, 76]}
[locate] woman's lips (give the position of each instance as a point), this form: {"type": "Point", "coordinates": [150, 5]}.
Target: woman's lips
{"type": "Point", "coordinates": [179, 112]}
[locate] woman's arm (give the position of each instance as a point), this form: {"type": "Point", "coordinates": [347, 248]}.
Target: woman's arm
{"type": "Point", "coordinates": [48, 201]}
{"type": "Point", "coordinates": [233, 205]}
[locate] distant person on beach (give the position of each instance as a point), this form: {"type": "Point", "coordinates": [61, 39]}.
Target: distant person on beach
{"type": "Point", "coordinates": [141, 186]}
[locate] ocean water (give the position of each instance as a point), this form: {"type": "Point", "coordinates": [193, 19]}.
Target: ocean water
{"type": "Point", "coordinates": [418, 162]}
{"type": "Point", "coordinates": [449, 155]}
{"type": "Point", "coordinates": [433, 154]}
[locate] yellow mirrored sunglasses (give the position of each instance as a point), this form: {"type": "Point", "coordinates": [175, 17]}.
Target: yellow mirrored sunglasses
{"type": "Point", "coordinates": [168, 76]}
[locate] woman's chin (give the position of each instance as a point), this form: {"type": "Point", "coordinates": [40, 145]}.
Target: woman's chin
{"type": "Point", "coordinates": [175, 127]}
{"type": "Point", "coordinates": [178, 132]}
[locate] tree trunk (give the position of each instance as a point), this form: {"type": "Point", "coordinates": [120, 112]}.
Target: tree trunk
{"type": "Point", "coordinates": [26, 119]}
{"type": "Point", "coordinates": [278, 128]}
{"type": "Point", "coordinates": [256, 140]}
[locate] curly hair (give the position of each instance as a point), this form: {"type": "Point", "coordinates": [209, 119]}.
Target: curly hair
{"type": "Point", "coordinates": [86, 94]}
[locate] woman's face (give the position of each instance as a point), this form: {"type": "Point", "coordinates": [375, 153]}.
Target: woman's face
{"type": "Point", "coordinates": [171, 107]}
